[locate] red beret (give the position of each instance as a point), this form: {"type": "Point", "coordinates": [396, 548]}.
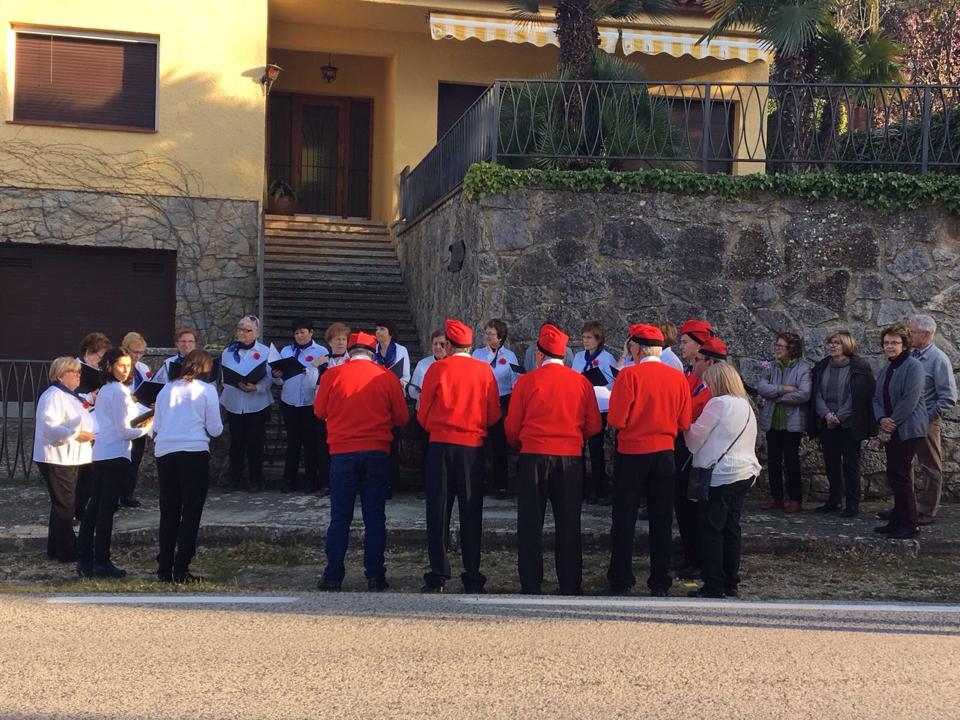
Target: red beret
{"type": "Point", "coordinates": [644, 334]}
{"type": "Point", "coordinates": [458, 334]}
{"type": "Point", "coordinates": [698, 330]}
{"type": "Point", "coordinates": [714, 347]}
{"type": "Point", "coordinates": [552, 341]}
{"type": "Point", "coordinates": [361, 339]}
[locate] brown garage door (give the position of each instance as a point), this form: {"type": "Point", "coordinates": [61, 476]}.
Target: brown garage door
{"type": "Point", "coordinates": [53, 296]}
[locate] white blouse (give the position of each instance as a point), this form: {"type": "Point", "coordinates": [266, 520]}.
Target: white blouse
{"type": "Point", "coordinates": [59, 417]}
{"type": "Point", "coordinates": [115, 410]}
{"type": "Point", "coordinates": [500, 362]}
{"type": "Point", "coordinates": [720, 422]}
{"type": "Point", "coordinates": [236, 400]}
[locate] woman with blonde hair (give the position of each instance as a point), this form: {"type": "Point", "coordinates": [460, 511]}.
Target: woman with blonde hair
{"type": "Point", "coordinates": [723, 438]}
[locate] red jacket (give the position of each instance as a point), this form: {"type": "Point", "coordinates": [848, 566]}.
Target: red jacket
{"type": "Point", "coordinates": [649, 405]}
{"type": "Point", "coordinates": [362, 402]}
{"type": "Point", "coordinates": [553, 410]}
{"type": "Point", "coordinates": [459, 401]}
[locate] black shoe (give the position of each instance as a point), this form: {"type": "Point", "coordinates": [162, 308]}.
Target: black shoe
{"type": "Point", "coordinates": [613, 591]}
{"type": "Point", "coordinates": [85, 569]}
{"type": "Point", "coordinates": [659, 592]}
{"type": "Point", "coordinates": [187, 578]}
{"type": "Point", "coordinates": [165, 576]}
{"type": "Point", "coordinates": [432, 589]}
{"type": "Point", "coordinates": [731, 592]}
{"type": "Point", "coordinates": [925, 519]}
{"type": "Point", "coordinates": [827, 508]}
{"type": "Point", "coordinates": [288, 488]}
{"type": "Point", "coordinates": [130, 503]}
{"type": "Point", "coordinates": [591, 499]}
{"type": "Point", "coordinates": [377, 583]}
{"type": "Point", "coordinates": [884, 514]}
{"type": "Point", "coordinates": [643, 515]}
{"type": "Point", "coordinates": [108, 570]}
{"type": "Point", "coordinates": [849, 512]}
{"type": "Point", "coordinates": [701, 593]}
{"type": "Point", "coordinates": [687, 572]}
{"type": "Point", "coordinates": [501, 494]}
{"type": "Point", "coordinates": [323, 492]}
{"type": "Point", "coordinates": [255, 487]}
{"type": "Point", "coordinates": [885, 529]}
{"type": "Point", "coordinates": [474, 589]}
{"type": "Point", "coordinates": [605, 501]}
{"type": "Point", "coordinates": [325, 586]}
{"type": "Point", "coordinates": [904, 533]}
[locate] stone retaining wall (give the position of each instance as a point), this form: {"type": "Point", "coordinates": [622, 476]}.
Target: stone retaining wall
{"type": "Point", "coordinates": [751, 268]}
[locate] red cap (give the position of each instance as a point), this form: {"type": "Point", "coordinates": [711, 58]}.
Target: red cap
{"type": "Point", "coordinates": [714, 347]}
{"type": "Point", "coordinates": [361, 339]}
{"type": "Point", "coordinates": [649, 335]}
{"type": "Point", "coordinates": [697, 330]}
{"type": "Point", "coordinates": [552, 341]}
{"type": "Point", "coordinates": [458, 334]}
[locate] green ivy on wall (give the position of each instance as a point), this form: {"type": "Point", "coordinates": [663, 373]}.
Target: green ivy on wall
{"type": "Point", "coordinates": [882, 191]}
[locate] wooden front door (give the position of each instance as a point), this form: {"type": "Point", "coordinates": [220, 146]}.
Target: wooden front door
{"type": "Point", "coordinates": [322, 147]}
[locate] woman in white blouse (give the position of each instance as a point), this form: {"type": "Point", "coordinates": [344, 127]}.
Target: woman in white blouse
{"type": "Point", "coordinates": [503, 363]}
{"type": "Point", "coordinates": [111, 464]}
{"type": "Point", "coordinates": [61, 445]}
{"type": "Point", "coordinates": [723, 437]}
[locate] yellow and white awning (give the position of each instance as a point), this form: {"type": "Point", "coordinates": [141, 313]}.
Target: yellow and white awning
{"type": "Point", "coordinates": [487, 29]}
{"type": "Point", "coordinates": [677, 44]}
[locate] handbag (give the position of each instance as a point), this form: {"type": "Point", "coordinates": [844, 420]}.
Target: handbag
{"type": "Point", "coordinates": [698, 486]}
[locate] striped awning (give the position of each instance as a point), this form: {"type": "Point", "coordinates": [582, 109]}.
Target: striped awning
{"type": "Point", "coordinates": [677, 44]}
{"type": "Point", "coordinates": [487, 29]}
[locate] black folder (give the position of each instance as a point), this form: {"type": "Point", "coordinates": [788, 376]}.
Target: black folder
{"type": "Point", "coordinates": [214, 371]}
{"type": "Point", "coordinates": [518, 369]}
{"type": "Point", "coordinates": [147, 391]}
{"type": "Point", "coordinates": [397, 369]}
{"type": "Point", "coordinates": [290, 367]}
{"type": "Point", "coordinates": [140, 419]}
{"type": "Point", "coordinates": [596, 377]}
{"type": "Point", "coordinates": [89, 379]}
{"type": "Point", "coordinates": [174, 368]}
{"type": "Point", "coordinates": [232, 377]}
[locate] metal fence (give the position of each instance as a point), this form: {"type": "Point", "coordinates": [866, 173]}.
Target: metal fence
{"type": "Point", "coordinates": [710, 127]}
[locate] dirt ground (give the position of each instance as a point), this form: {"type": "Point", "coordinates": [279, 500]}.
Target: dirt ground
{"type": "Point", "coordinates": [809, 573]}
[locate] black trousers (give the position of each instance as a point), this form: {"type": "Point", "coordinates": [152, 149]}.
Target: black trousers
{"type": "Point", "coordinates": [688, 522]}
{"type": "Point", "coordinates": [841, 456]}
{"type": "Point", "coordinates": [301, 426]}
{"type": "Point", "coordinates": [558, 478]}
{"type": "Point", "coordinates": [129, 489]}
{"type": "Point", "coordinates": [783, 460]}
{"type": "Point", "coordinates": [597, 485]}
{"type": "Point", "coordinates": [650, 475]}
{"type": "Point", "coordinates": [900, 454]}
{"type": "Point", "coordinates": [497, 447]}
{"type": "Point", "coordinates": [720, 537]}
{"type": "Point", "coordinates": [183, 479]}
{"type": "Point", "coordinates": [456, 469]}
{"type": "Point", "coordinates": [247, 435]}
{"type": "Point", "coordinates": [84, 489]}
{"type": "Point", "coordinates": [96, 527]}
{"type": "Point", "coordinates": [61, 484]}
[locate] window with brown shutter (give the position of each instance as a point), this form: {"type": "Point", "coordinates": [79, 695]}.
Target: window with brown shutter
{"type": "Point", "coordinates": [86, 81]}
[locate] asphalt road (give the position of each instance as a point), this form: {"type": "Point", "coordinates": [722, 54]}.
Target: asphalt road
{"type": "Point", "coordinates": [356, 655]}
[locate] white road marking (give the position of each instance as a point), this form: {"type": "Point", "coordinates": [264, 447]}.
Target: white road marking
{"type": "Point", "coordinates": [169, 600]}
{"type": "Point", "coordinates": [659, 603]}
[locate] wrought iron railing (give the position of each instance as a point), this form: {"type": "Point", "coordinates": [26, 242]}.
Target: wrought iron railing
{"type": "Point", "coordinates": [710, 127]}
{"type": "Point", "coordinates": [21, 383]}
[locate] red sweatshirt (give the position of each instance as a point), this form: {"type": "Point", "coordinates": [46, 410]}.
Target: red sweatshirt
{"type": "Point", "coordinates": [699, 400]}
{"type": "Point", "coordinates": [649, 406]}
{"type": "Point", "coordinates": [362, 402]}
{"type": "Point", "coordinates": [459, 401]}
{"type": "Point", "coordinates": [553, 410]}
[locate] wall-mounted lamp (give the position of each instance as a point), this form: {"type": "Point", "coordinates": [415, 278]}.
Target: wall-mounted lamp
{"type": "Point", "coordinates": [329, 71]}
{"type": "Point", "coordinates": [269, 77]}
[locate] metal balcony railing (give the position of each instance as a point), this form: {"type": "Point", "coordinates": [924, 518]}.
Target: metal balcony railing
{"type": "Point", "coordinates": [710, 127]}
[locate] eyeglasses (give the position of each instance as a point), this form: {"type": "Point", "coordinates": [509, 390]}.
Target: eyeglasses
{"type": "Point", "coordinates": [892, 343]}
{"type": "Point", "coordinates": [781, 346]}
{"type": "Point", "coordinates": [71, 372]}
{"type": "Point", "coordinates": [832, 343]}
{"type": "Point", "coordinates": [246, 330]}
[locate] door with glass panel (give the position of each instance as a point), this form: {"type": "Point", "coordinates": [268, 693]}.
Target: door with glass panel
{"type": "Point", "coordinates": [322, 147]}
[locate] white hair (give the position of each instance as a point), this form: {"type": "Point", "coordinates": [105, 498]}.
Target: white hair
{"type": "Point", "coordinates": [650, 350]}
{"type": "Point", "coordinates": [924, 323]}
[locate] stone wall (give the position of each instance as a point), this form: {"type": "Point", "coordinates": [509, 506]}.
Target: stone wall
{"type": "Point", "coordinates": [751, 268]}
{"type": "Point", "coordinates": [216, 242]}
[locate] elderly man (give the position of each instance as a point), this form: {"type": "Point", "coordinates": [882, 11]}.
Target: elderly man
{"type": "Point", "coordinates": [553, 411]}
{"type": "Point", "coordinates": [361, 403]}
{"type": "Point", "coordinates": [649, 407]}
{"type": "Point", "coordinates": [939, 395]}
{"type": "Point", "coordinates": [458, 403]}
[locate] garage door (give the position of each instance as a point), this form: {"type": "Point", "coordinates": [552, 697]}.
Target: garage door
{"type": "Point", "coordinates": [53, 296]}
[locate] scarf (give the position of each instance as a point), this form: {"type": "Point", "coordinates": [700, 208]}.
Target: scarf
{"type": "Point", "coordinates": [236, 346]}
{"type": "Point", "coordinates": [60, 386]}
{"type": "Point", "coordinates": [388, 360]}
{"type": "Point", "coordinates": [589, 357]}
{"type": "Point", "coordinates": [300, 348]}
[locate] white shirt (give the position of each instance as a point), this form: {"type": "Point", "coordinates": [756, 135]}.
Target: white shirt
{"type": "Point", "coordinates": [500, 362]}
{"type": "Point", "coordinates": [669, 357]}
{"type": "Point", "coordinates": [115, 410]}
{"type": "Point", "coordinates": [59, 417]}
{"type": "Point", "coordinates": [300, 390]}
{"type": "Point", "coordinates": [186, 416]}
{"type": "Point", "coordinates": [604, 362]}
{"type": "Point", "coordinates": [720, 422]}
{"type": "Point", "coordinates": [403, 357]}
{"type": "Point", "coordinates": [236, 400]}
{"type": "Point", "coordinates": [416, 380]}
{"type": "Point", "coordinates": [145, 374]}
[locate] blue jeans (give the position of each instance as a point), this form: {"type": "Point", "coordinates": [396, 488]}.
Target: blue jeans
{"type": "Point", "coordinates": [367, 472]}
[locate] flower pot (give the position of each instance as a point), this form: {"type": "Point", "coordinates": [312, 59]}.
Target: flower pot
{"type": "Point", "coordinates": [284, 205]}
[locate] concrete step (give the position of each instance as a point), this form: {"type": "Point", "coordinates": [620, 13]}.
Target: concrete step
{"type": "Point", "coordinates": [364, 239]}
{"type": "Point", "coordinates": [319, 253]}
{"type": "Point", "coordinates": [371, 267]}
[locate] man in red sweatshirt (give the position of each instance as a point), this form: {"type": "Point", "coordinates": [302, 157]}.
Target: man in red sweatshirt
{"type": "Point", "coordinates": [361, 403]}
{"type": "Point", "coordinates": [552, 412]}
{"type": "Point", "coordinates": [458, 402]}
{"type": "Point", "coordinates": [649, 406]}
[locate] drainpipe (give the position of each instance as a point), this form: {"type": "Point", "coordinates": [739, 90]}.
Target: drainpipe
{"type": "Point", "coordinates": [260, 252]}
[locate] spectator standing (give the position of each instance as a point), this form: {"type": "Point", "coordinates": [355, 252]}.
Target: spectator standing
{"type": "Point", "coordinates": [594, 356]}
{"type": "Point", "coordinates": [503, 363]}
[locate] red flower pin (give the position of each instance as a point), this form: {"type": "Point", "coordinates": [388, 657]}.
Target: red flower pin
{"type": "Point", "coordinates": [256, 356]}
{"type": "Point", "coordinates": [596, 363]}
{"type": "Point", "coordinates": [149, 374]}
{"type": "Point", "coordinates": [309, 358]}
{"type": "Point", "coordinates": [503, 361]}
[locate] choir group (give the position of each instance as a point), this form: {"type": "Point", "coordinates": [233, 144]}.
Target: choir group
{"type": "Point", "coordinates": [685, 438]}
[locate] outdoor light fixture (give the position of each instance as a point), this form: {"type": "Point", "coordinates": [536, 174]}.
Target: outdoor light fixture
{"type": "Point", "coordinates": [329, 71]}
{"type": "Point", "coordinates": [270, 75]}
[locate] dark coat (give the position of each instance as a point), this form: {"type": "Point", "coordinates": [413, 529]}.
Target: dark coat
{"type": "Point", "coordinates": [862, 388]}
